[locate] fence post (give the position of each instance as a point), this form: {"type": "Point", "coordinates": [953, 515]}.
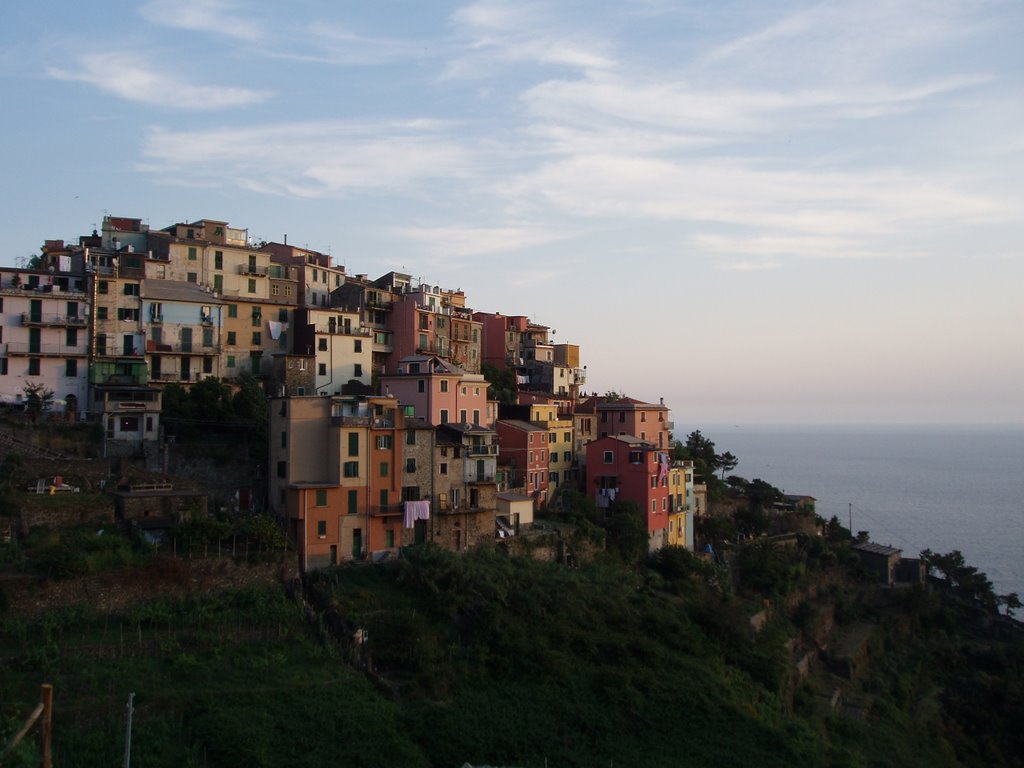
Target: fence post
{"type": "Point", "coordinates": [46, 726]}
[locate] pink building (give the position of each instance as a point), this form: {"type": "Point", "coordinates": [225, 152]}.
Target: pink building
{"type": "Point", "coordinates": [626, 416]}
{"type": "Point", "coordinates": [501, 338]}
{"type": "Point", "coordinates": [626, 468]}
{"type": "Point", "coordinates": [439, 391]}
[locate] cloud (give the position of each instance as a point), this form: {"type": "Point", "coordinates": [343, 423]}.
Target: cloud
{"type": "Point", "coordinates": [499, 31]}
{"type": "Point", "coordinates": [311, 159]}
{"type": "Point", "coordinates": [460, 241]}
{"type": "Point", "coordinates": [214, 16]}
{"type": "Point", "coordinates": [129, 77]}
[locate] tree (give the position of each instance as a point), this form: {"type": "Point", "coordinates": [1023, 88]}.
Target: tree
{"type": "Point", "coordinates": [502, 381]}
{"type": "Point", "coordinates": [38, 399]}
{"type": "Point", "coordinates": [762, 495]}
{"type": "Point", "coordinates": [726, 462]}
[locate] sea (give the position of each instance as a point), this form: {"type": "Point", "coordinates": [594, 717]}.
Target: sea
{"type": "Point", "coordinates": [942, 488]}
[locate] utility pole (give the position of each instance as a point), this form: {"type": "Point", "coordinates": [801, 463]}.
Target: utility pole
{"type": "Point", "coordinates": [851, 518]}
{"type": "Point", "coordinates": [128, 733]}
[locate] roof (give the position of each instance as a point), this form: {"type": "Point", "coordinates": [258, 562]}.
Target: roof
{"type": "Point", "coordinates": [793, 497]}
{"type": "Point", "coordinates": [631, 440]}
{"type": "Point", "coordinates": [177, 290]}
{"type": "Point", "coordinates": [876, 549]}
{"type": "Point", "coordinates": [510, 496]}
{"type": "Point", "coordinates": [475, 429]}
{"type": "Point", "coordinates": [524, 426]}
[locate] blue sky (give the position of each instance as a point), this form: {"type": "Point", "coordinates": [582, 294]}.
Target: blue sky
{"type": "Point", "coordinates": [762, 212]}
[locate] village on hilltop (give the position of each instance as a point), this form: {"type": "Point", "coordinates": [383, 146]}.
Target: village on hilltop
{"type": "Point", "coordinates": [383, 430]}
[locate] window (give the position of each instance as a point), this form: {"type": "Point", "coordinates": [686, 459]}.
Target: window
{"type": "Point", "coordinates": [192, 277]}
{"type": "Point", "coordinates": [358, 370]}
{"type": "Point", "coordinates": [252, 285]}
{"type": "Point", "coordinates": [232, 310]}
{"type": "Point", "coordinates": [444, 415]}
{"type": "Point", "coordinates": [353, 443]}
{"type": "Point", "coordinates": [70, 367]}
{"type": "Point", "coordinates": [131, 289]}
{"type": "Point", "coordinates": [410, 437]}
{"type": "Point", "coordinates": [207, 365]}
{"type": "Point", "coordinates": [643, 416]}
{"type": "Point", "coordinates": [384, 442]}
{"type": "Point", "coordinates": [389, 538]}
{"type": "Point", "coordinates": [358, 345]}
{"type": "Point", "coordinates": [444, 385]}
{"type": "Point", "coordinates": [257, 316]}
{"type": "Point", "coordinates": [127, 313]}
{"type": "Point", "coordinates": [321, 529]}
{"type": "Point", "coordinates": [321, 344]}
{"type": "Point", "coordinates": [383, 469]}
{"type": "Point", "coordinates": [566, 437]}
{"type": "Point", "coordinates": [609, 457]}
{"type": "Point", "coordinates": [71, 337]}
{"type": "Point", "coordinates": [476, 417]}
{"type": "Point", "coordinates": [421, 386]}
{"type": "Point", "coordinates": [321, 497]}
{"type": "Point", "coordinates": [410, 465]}
{"type": "Point", "coordinates": [654, 505]}
{"type": "Point", "coordinates": [282, 469]}
{"type": "Point", "coordinates": [192, 253]}
{"type": "Point", "coordinates": [622, 416]}
{"type": "Point", "coordinates": [230, 361]}
{"type": "Point", "coordinates": [284, 439]}
{"type": "Point", "coordinates": [3, 366]}
{"type": "Point", "coordinates": [322, 369]}
{"type": "Point", "coordinates": [218, 259]}
{"type": "Point", "coordinates": [443, 468]}
{"type": "Point", "coordinates": [350, 469]}
{"type": "Point", "coordinates": [256, 338]}
{"type": "Point", "coordinates": [282, 315]}
{"type": "Point", "coordinates": [462, 417]}
{"type": "Point", "coordinates": [231, 338]}
{"type": "Point", "coordinates": [207, 337]}
{"type": "Point", "coordinates": [103, 286]}
{"type": "Point", "coordinates": [566, 456]}
{"type": "Point", "coordinates": [33, 366]}
{"type": "Point", "coordinates": [101, 343]}
{"type": "Point", "coordinates": [101, 313]}
{"type": "Point", "coordinates": [353, 502]}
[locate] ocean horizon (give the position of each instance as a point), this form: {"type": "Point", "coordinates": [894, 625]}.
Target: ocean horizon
{"type": "Point", "coordinates": [913, 486]}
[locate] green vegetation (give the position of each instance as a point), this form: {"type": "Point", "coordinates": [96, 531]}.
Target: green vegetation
{"type": "Point", "coordinates": [439, 659]}
{"type": "Point", "coordinates": [211, 411]}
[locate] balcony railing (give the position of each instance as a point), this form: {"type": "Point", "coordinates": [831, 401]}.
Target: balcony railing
{"type": "Point", "coordinates": [249, 269]}
{"type": "Point", "coordinates": [362, 421]}
{"type": "Point", "coordinates": [385, 510]}
{"type": "Point", "coordinates": [176, 376]}
{"type": "Point", "coordinates": [154, 348]}
{"type": "Point", "coordinates": [486, 477]}
{"type": "Point", "coordinates": [72, 321]}
{"type": "Point", "coordinates": [22, 348]}
{"type": "Point", "coordinates": [341, 330]}
{"type": "Point", "coordinates": [482, 450]}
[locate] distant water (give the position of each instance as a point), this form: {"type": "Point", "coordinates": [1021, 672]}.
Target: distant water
{"type": "Point", "coordinates": [938, 488]}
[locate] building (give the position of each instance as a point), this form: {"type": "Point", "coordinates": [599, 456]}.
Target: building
{"type": "Point", "coordinates": [439, 391]}
{"type": "Point", "coordinates": [524, 456]}
{"type": "Point", "coordinates": [336, 475]}
{"type": "Point", "coordinates": [626, 468]}
{"type": "Point", "coordinates": [44, 336]}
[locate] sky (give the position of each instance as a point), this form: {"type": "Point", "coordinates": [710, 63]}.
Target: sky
{"type": "Point", "coordinates": [785, 212]}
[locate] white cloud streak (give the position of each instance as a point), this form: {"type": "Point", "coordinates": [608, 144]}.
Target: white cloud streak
{"type": "Point", "coordinates": [128, 76]}
{"type": "Point", "coordinates": [216, 17]}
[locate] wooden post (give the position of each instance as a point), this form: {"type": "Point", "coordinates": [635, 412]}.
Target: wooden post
{"type": "Point", "coordinates": [46, 726]}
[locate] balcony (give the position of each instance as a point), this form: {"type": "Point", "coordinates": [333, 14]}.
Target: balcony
{"type": "Point", "coordinates": [483, 477]}
{"type": "Point", "coordinates": [252, 270]}
{"type": "Point", "coordinates": [340, 330]}
{"type": "Point", "coordinates": [362, 421]}
{"type": "Point", "coordinates": [482, 450]}
{"type": "Point", "coordinates": [153, 348]}
{"type": "Point", "coordinates": [22, 348]}
{"type": "Point", "coordinates": [62, 321]}
{"type": "Point", "coordinates": [387, 510]}
{"type": "Point", "coordinates": [176, 377]}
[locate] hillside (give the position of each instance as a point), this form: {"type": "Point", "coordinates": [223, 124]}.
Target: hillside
{"type": "Point", "coordinates": [487, 659]}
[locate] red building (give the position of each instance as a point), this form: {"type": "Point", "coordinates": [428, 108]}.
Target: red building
{"type": "Point", "coordinates": [626, 468]}
{"type": "Point", "coordinates": [523, 453]}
